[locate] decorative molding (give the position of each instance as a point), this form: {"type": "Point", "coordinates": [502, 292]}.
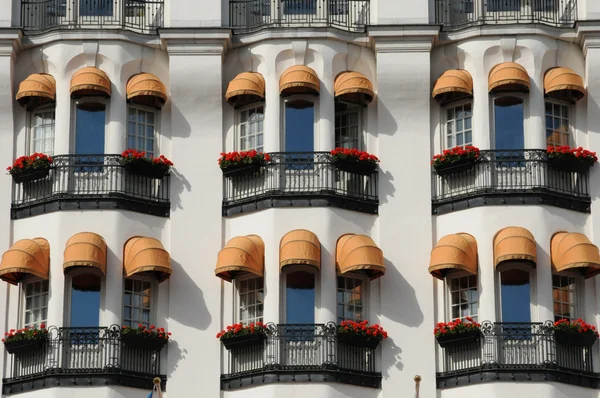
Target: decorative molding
{"type": "Point", "coordinates": [299, 48]}
{"type": "Point", "coordinates": [411, 38]}
{"type": "Point", "coordinates": [90, 52]}
{"type": "Point", "coordinates": [507, 46]}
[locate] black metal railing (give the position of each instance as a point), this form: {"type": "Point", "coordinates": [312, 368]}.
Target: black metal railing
{"type": "Point", "coordinates": [514, 346]}
{"type": "Point", "coordinates": [456, 14]}
{"type": "Point", "coordinates": [521, 176]}
{"type": "Point", "coordinates": [91, 181]}
{"type": "Point", "coordinates": [302, 348]}
{"type": "Point", "coordinates": [300, 179]}
{"type": "Point", "coordinates": [94, 352]}
{"type": "Point", "coordinates": [144, 16]}
{"type": "Point", "coordinates": [252, 15]}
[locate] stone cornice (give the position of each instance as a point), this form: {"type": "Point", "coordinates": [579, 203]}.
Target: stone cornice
{"type": "Point", "coordinates": [357, 38]}
{"type": "Point", "coordinates": [488, 30]}
{"type": "Point", "coordinates": [196, 41]}
{"type": "Point", "coordinates": [408, 38]}
{"type": "Point", "coordinates": [10, 41]}
{"type": "Point", "coordinates": [588, 35]}
{"type": "Point", "coordinates": [62, 35]}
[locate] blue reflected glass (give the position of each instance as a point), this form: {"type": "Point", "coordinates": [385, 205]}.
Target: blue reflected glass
{"type": "Point", "coordinates": [508, 123]}
{"type": "Point", "coordinates": [300, 298]}
{"type": "Point", "coordinates": [85, 301]}
{"type": "Point", "coordinates": [516, 296]}
{"type": "Point", "coordinates": [299, 126]}
{"type": "Point", "coordinates": [95, 8]}
{"type": "Point", "coordinates": [299, 7]}
{"type": "Point", "coordinates": [89, 129]}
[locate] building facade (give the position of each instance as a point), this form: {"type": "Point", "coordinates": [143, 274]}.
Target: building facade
{"type": "Point", "coordinates": [93, 246]}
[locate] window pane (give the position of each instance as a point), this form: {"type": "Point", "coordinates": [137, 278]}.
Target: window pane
{"type": "Point", "coordinates": [250, 129]}
{"type": "Point", "coordinates": [137, 302]}
{"type": "Point", "coordinates": [250, 300]}
{"type": "Point", "coordinates": [508, 123]}
{"type": "Point", "coordinates": [515, 295]}
{"type": "Point", "coordinates": [300, 298]}
{"type": "Point", "coordinates": [299, 126]}
{"type": "Point", "coordinates": [85, 301]}
{"type": "Point", "coordinates": [89, 129]}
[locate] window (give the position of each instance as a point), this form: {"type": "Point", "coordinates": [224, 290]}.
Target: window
{"type": "Point", "coordinates": [508, 123]}
{"type": "Point", "coordinates": [464, 297]}
{"type": "Point", "coordinates": [299, 7]}
{"type": "Point", "coordinates": [140, 130]}
{"type": "Point", "coordinates": [557, 124]}
{"type": "Point", "coordinates": [42, 132]}
{"type": "Point", "coordinates": [85, 300]}
{"type": "Point", "coordinates": [459, 130]}
{"type": "Point", "coordinates": [137, 302]}
{"type": "Point", "coordinates": [250, 305]}
{"type": "Point", "coordinates": [515, 296]}
{"type": "Point", "coordinates": [350, 299]}
{"type": "Point", "coordinates": [503, 5]}
{"type": "Point", "coordinates": [36, 303]}
{"type": "Point", "coordinates": [93, 8]}
{"type": "Point", "coordinates": [251, 129]}
{"type": "Point", "coordinates": [347, 126]}
{"type": "Point", "coordinates": [564, 294]}
{"type": "Point", "coordinates": [299, 126]}
{"type": "Point", "coordinates": [89, 128]}
{"type": "Point", "coordinates": [300, 297]}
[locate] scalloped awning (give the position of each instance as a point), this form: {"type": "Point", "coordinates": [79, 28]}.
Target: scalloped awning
{"type": "Point", "coordinates": [507, 77]}
{"type": "Point", "coordinates": [241, 254]}
{"type": "Point", "coordinates": [146, 89]}
{"type": "Point", "coordinates": [359, 253]}
{"type": "Point", "coordinates": [144, 255]}
{"type": "Point", "coordinates": [571, 251]}
{"type": "Point", "coordinates": [38, 89]}
{"type": "Point", "coordinates": [85, 249]}
{"type": "Point", "coordinates": [25, 257]}
{"type": "Point", "coordinates": [353, 87]}
{"type": "Point", "coordinates": [563, 84]}
{"type": "Point", "coordinates": [454, 252]}
{"type": "Point", "coordinates": [300, 247]}
{"type": "Point", "coordinates": [514, 244]}
{"type": "Point", "coordinates": [246, 88]}
{"type": "Point", "coordinates": [453, 85]}
{"type": "Point", "coordinates": [299, 79]}
{"type": "Point", "coordinates": [90, 81]}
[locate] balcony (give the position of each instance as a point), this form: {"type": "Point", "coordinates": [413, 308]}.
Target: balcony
{"type": "Point", "coordinates": [246, 16]}
{"type": "Point", "coordinates": [521, 352]}
{"type": "Point", "coordinates": [458, 14]}
{"type": "Point", "coordinates": [300, 179]}
{"type": "Point", "coordinates": [300, 354]}
{"type": "Point", "coordinates": [143, 16]}
{"type": "Point", "coordinates": [81, 357]}
{"type": "Point", "coordinates": [519, 177]}
{"type": "Point", "coordinates": [86, 182]}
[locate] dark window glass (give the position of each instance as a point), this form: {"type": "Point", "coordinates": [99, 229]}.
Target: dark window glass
{"type": "Point", "coordinates": [95, 8]}
{"type": "Point", "coordinates": [516, 296]}
{"type": "Point", "coordinates": [85, 301]}
{"type": "Point", "coordinates": [299, 126]}
{"type": "Point", "coordinates": [300, 298]}
{"type": "Point", "coordinates": [89, 129]}
{"type": "Point", "coordinates": [508, 123]}
{"type": "Point", "coordinates": [299, 7]}
{"type": "Point", "coordinates": [503, 5]}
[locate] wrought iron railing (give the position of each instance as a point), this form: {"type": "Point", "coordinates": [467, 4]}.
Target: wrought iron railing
{"type": "Point", "coordinates": [515, 346]}
{"type": "Point", "coordinates": [85, 351]}
{"type": "Point", "coordinates": [297, 179]}
{"type": "Point", "coordinates": [456, 14]}
{"type": "Point", "coordinates": [252, 15]}
{"type": "Point", "coordinates": [517, 174]}
{"type": "Point", "coordinates": [144, 16]}
{"type": "Point", "coordinates": [91, 181]}
{"type": "Point", "coordinates": [300, 347]}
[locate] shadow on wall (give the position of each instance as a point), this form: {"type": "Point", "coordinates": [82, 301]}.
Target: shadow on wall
{"type": "Point", "coordinates": [180, 128]}
{"type": "Point", "coordinates": [178, 184]}
{"type": "Point", "coordinates": [400, 291]}
{"type": "Point", "coordinates": [386, 123]}
{"type": "Point", "coordinates": [195, 314]}
{"type": "Point", "coordinates": [575, 218]}
{"type": "Point", "coordinates": [569, 391]}
{"type": "Point", "coordinates": [176, 355]}
{"type": "Point", "coordinates": [354, 391]}
{"type": "Point", "coordinates": [392, 357]}
{"type": "Point", "coordinates": [360, 223]}
{"type": "Point", "coordinates": [386, 187]}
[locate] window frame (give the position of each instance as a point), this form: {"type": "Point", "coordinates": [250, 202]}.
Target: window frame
{"type": "Point", "coordinates": [579, 292]}
{"type": "Point", "coordinates": [68, 292]}
{"type": "Point", "coordinates": [238, 124]}
{"type": "Point", "coordinates": [23, 300]}
{"type": "Point", "coordinates": [365, 281]}
{"type": "Point", "coordinates": [531, 269]}
{"type": "Point", "coordinates": [448, 294]}
{"type": "Point", "coordinates": [31, 126]}
{"type": "Point", "coordinates": [73, 135]}
{"type": "Point", "coordinates": [283, 289]}
{"type": "Point", "coordinates": [156, 133]}
{"type": "Point", "coordinates": [153, 298]}
{"type": "Point", "coordinates": [445, 120]}
{"type": "Point", "coordinates": [236, 295]}
{"type": "Point", "coordinates": [300, 97]}
{"type": "Point", "coordinates": [570, 132]}
{"type": "Point", "coordinates": [526, 135]}
{"type": "Point", "coordinates": [359, 110]}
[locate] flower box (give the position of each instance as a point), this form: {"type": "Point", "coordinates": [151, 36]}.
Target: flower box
{"type": "Point", "coordinates": [567, 337]}
{"type": "Point", "coordinates": [456, 339]}
{"type": "Point", "coordinates": [147, 169]}
{"type": "Point", "coordinates": [572, 165]}
{"type": "Point", "coordinates": [353, 166]}
{"type": "Point", "coordinates": [248, 340]}
{"type": "Point", "coordinates": [20, 346]}
{"type": "Point", "coordinates": [138, 341]}
{"type": "Point", "coordinates": [30, 175]}
{"type": "Point", "coordinates": [357, 340]}
{"type": "Point", "coordinates": [241, 169]}
{"type": "Point", "coordinates": [460, 166]}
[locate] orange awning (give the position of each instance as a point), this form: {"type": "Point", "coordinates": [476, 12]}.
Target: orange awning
{"type": "Point", "coordinates": [38, 89]}
{"type": "Point", "coordinates": [455, 252]}
{"type": "Point", "coordinates": [26, 257]}
{"type": "Point", "coordinates": [146, 89]}
{"type": "Point", "coordinates": [453, 85]}
{"type": "Point", "coordinates": [564, 84]}
{"type": "Point", "coordinates": [146, 256]}
{"type": "Point", "coordinates": [574, 251]}
{"type": "Point", "coordinates": [300, 247]}
{"type": "Point", "coordinates": [246, 88]}
{"type": "Point", "coordinates": [241, 254]}
{"type": "Point", "coordinates": [299, 79]}
{"type": "Point", "coordinates": [507, 77]}
{"type": "Point", "coordinates": [359, 253]}
{"type": "Point", "coordinates": [353, 87]}
{"type": "Point", "coordinates": [514, 244]}
{"type": "Point", "coordinates": [85, 249]}
{"type": "Point", "coordinates": [90, 81]}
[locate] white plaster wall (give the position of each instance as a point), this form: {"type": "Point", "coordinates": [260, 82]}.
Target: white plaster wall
{"type": "Point", "coordinates": [520, 390]}
{"type": "Point", "coordinates": [301, 390]}
{"type": "Point", "coordinates": [88, 392]}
